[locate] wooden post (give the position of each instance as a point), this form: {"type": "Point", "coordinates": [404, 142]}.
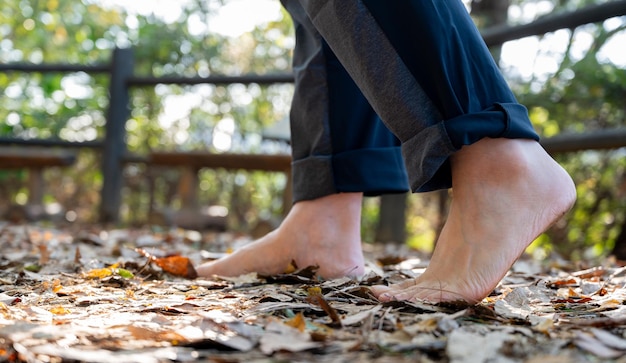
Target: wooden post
{"type": "Point", "coordinates": [115, 135]}
{"type": "Point", "coordinates": [188, 188]}
{"type": "Point", "coordinates": [392, 218]}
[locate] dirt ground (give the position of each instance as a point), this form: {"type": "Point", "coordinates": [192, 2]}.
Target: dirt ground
{"type": "Point", "coordinates": [93, 295]}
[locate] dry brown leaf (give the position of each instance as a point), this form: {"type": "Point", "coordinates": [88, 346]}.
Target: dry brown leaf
{"type": "Point", "coordinates": [158, 336]}
{"type": "Point", "coordinates": [563, 283]}
{"type": "Point", "coordinates": [390, 260]}
{"type": "Point", "coordinates": [593, 272]}
{"type": "Point", "coordinates": [44, 255]}
{"type": "Point", "coordinates": [319, 300]}
{"type": "Point", "coordinates": [77, 256]}
{"type": "Point", "coordinates": [177, 266]}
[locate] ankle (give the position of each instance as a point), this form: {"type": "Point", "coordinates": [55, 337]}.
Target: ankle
{"type": "Point", "coordinates": [342, 209]}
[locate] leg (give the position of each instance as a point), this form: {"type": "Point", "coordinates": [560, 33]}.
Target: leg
{"type": "Point", "coordinates": [425, 70]}
{"type": "Point", "coordinates": [340, 150]}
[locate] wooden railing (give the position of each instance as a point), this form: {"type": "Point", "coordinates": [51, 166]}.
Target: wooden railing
{"type": "Point", "coordinates": [122, 78]}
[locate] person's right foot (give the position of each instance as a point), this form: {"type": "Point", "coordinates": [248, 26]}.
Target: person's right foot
{"type": "Point", "coordinates": [505, 194]}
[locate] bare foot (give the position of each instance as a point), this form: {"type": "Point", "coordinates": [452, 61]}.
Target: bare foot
{"type": "Point", "coordinates": [505, 194]}
{"type": "Point", "coordinates": [324, 232]}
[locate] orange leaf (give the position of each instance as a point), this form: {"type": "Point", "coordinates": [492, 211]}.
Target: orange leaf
{"type": "Point", "coordinates": [99, 273]}
{"type": "Point", "coordinates": [177, 266]}
{"type": "Point", "coordinates": [297, 322]}
{"type": "Point", "coordinates": [291, 268]}
{"type": "Point", "coordinates": [59, 310]}
{"type": "Point", "coordinates": [562, 283]}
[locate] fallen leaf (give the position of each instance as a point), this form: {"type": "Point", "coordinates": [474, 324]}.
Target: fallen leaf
{"type": "Point", "coordinates": [589, 273]}
{"type": "Point", "coordinates": [466, 346]}
{"type": "Point", "coordinates": [291, 268]}
{"type": "Point", "coordinates": [297, 322]}
{"type": "Point", "coordinates": [250, 278]}
{"type": "Point", "coordinates": [505, 309]}
{"type": "Point", "coordinates": [280, 337]}
{"type": "Point", "coordinates": [572, 300]}
{"type": "Point", "coordinates": [7, 299]}
{"type": "Point", "coordinates": [59, 310]}
{"type": "Point", "coordinates": [608, 339]}
{"type": "Point", "coordinates": [77, 256]}
{"type": "Point", "coordinates": [318, 299]}
{"type": "Point", "coordinates": [595, 346]}
{"type": "Point", "coordinates": [360, 316]}
{"type": "Point", "coordinates": [157, 336]}
{"type": "Point", "coordinates": [125, 273]}
{"type": "Point", "coordinates": [177, 266]}
{"type": "Point", "coordinates": [390, 260]}
{"type": "Point", "coordinates": [542, 324]}
{"type": "Point", "coordinates": [44, 255]}
{"type": "Point", "coordinates": [99, 273]}
{"type": "Point", "coordinates": [562, 283]}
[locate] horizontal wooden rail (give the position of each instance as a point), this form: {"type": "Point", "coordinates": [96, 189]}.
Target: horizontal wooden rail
{"type": "Point", "coordinates": [217, 79]}
{"type": "Point", "coordinates": [54, 68]}
{"type": "Point", "coordinates": [28, 157]}
{"type": "Point", "coordinates": [202, 159]}
{"type": "Point", "coordinates": [51, 143]}
{"type": "Point", "coordinates": [569, 20]}
{"type": "Point", "coordinates": [593, 140]}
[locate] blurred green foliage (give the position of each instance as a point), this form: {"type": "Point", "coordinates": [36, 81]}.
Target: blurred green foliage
{"type": "Point", "coordinates": [585, 93]}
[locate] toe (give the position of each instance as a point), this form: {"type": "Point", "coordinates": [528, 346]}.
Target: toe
{"type": "Point", "coordinates": [381, 292]}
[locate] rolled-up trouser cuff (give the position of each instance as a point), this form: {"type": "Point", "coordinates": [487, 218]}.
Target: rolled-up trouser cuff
{"type": "Point", "coordinates": [427, 153]}
{"type": "Point", "coordinates": [509, 120]}
{"type": "Point", "coordinates": [370, 171]}
{"type": "Point", "coordinates": [427, 159]}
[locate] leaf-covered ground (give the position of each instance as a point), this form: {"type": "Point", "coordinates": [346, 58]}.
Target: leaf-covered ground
{"type": "Point", "coordinates": [104, 296]}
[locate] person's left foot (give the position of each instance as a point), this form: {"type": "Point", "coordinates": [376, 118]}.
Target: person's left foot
{"type": "Point", "coordinates": [505, 194]}
{"type": "Point", "coordinates": [324, 232]}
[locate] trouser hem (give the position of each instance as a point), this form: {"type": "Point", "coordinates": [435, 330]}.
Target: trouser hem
{"type": "Point", "coordinates": [369, 171]}
{"type": "Point", "coordinates": [427, 153]}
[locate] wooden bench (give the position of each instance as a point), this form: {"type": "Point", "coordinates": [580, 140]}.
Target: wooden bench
{"type": "Point", "coordinates": [190, 215]}
{"type": "Point", "coordinates": [35, 160]}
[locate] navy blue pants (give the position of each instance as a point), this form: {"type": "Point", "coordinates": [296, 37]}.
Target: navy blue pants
{"type": "Point", "coordinates": [386, 87]}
